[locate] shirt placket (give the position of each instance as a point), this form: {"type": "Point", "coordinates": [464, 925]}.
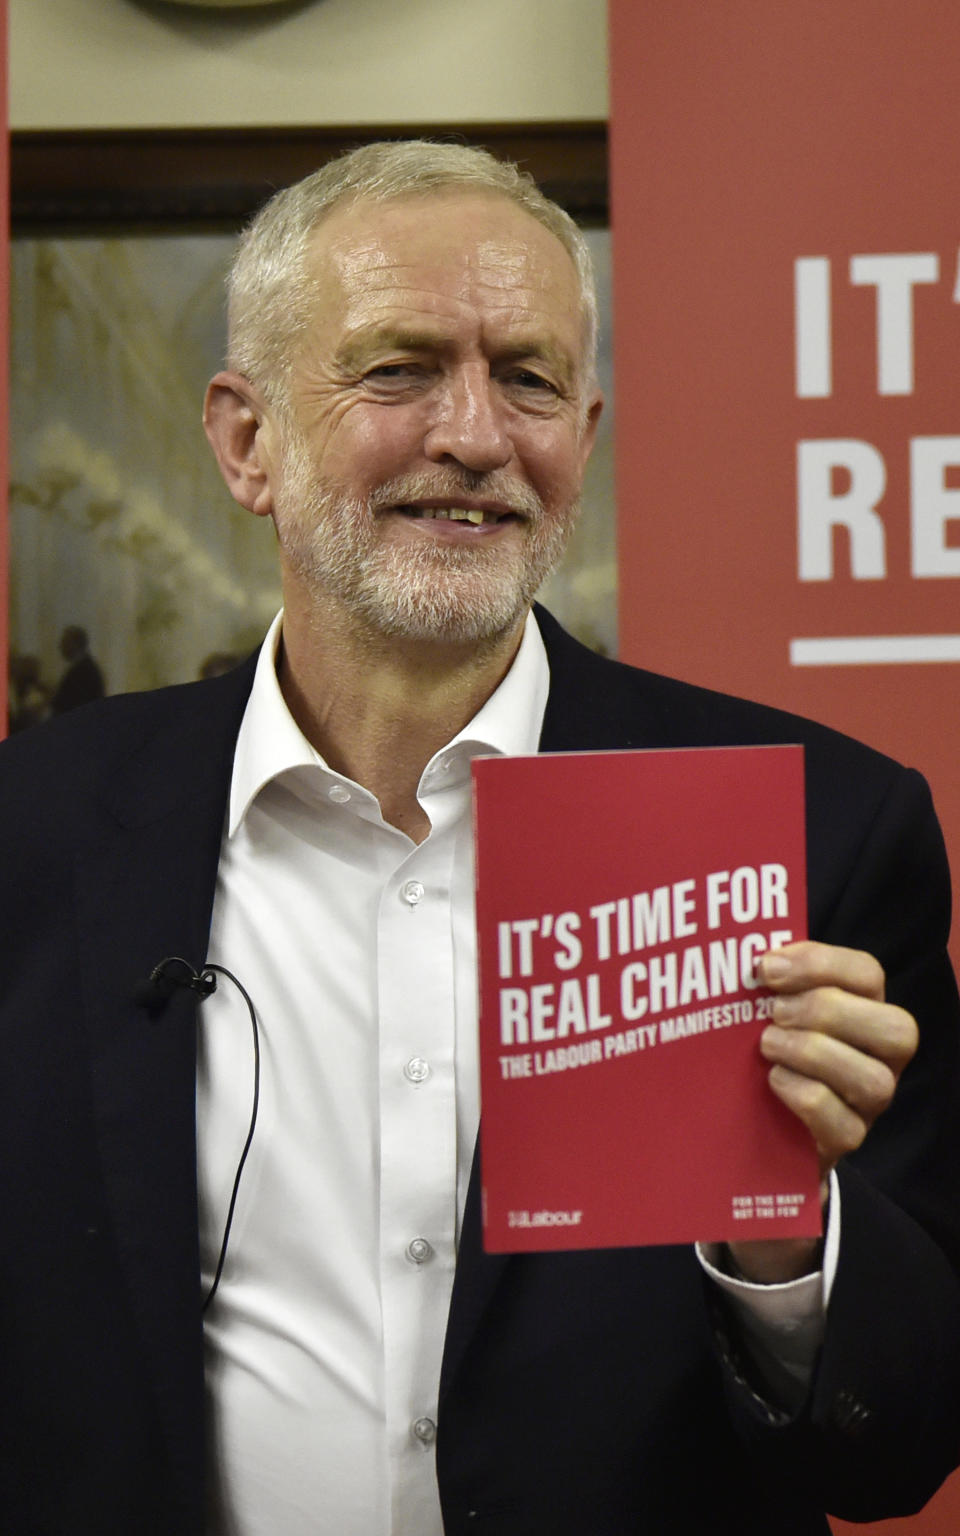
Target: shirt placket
{"type": "Point", "coordinates": [418, 1163]}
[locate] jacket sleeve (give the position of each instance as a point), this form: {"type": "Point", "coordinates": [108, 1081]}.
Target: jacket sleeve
{"type": "Point", "coordinates": [881, 1428]}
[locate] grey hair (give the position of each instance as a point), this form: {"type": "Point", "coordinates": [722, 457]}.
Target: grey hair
{"type": "Point", "coordinates": [269, 286]}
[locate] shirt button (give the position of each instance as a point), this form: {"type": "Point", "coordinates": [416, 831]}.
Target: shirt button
{"type": "Point", "coordinates": [339, 794]}
{"type": "Point", "coordinates": [425, 1431]}
{"type": "Point", "coordinates": [416, 1070]}
{"type": "Point", "coordinates": [419, 1251]}
{"type": "Point", "coordinates": [412, 892]}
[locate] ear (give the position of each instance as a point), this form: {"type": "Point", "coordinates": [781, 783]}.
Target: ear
{"type": "Point", "coordinates": [590, 425]}
{"type": "Point", "coordinates": [241, 431]}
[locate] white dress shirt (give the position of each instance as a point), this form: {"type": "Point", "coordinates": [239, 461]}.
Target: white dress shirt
{"type": "Point", "coordinates": [357, 947]}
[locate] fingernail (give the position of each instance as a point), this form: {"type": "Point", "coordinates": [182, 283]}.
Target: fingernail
{"type": "Point", "coordinates": [771, 1039]}
{"type": "Point", "coordinates": [774, 966]}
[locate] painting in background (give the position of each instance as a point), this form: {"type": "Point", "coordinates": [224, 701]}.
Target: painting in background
{"type": "Point", "coordinates": [119, 521]}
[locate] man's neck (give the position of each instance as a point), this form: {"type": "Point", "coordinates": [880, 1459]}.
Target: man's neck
{"type": "Point", "coordinates": [377, 707]}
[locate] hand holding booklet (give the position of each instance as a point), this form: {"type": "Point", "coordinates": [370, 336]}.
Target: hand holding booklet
{"type": "Point", "coordinates": [623, 900]}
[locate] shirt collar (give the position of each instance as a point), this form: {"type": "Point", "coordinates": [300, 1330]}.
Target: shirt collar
{"type": "Point", "coordinates": [270, 742]}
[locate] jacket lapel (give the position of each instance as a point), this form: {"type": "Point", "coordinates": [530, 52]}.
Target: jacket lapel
{"type": "Point", "coordinates": [145, 879]}
{"type": "Point", "coordinates": [581, 715]}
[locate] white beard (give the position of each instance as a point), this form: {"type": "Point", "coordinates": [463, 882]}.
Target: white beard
{"type": "Point", "coordinates": [424, 590]}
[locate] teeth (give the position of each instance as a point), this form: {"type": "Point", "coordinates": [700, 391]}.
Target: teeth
{"type": "Point", "coordinates": [454, 514]}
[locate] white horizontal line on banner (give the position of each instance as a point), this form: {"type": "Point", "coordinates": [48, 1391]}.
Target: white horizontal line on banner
{"type": "Point", "coordinates": [873, 650]}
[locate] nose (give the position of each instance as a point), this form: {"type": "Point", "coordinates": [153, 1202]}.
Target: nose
{"type": "Point", "coordinates": [468, 424]}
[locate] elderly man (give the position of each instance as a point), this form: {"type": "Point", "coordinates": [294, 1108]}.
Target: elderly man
{"type": "Point", "coordinates": [410, 398]}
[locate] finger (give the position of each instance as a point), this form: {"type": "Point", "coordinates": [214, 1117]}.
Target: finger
{"type": "Point", "coordinates": [880, 1030]}
{"type": "Point", "coordinates": [864, 1084]}
{"type": "Point", "coordinates": [837, 1129]}
{"type": "Point", "coordinates": [801, 967]}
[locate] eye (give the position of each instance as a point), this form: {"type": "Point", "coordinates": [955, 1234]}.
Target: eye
{"type": "Point", "coordinates": [528, 378]}
{"type": "Point", "coordinates": [530, 390]}
{"type": "Point", "coordinates": [389, 373]}
{"type": "Point", "coordinates": [395, 381]}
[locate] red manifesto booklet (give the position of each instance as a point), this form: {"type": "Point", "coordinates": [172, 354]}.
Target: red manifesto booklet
{"type": "Point", "coordinates": [623, 899]}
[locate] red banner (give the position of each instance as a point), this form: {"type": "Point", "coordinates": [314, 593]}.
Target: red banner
{"type": "Point", "coordinates": [786, 295]}
{"type": "Point", "coordinates": [787, 303]}
{"type": "Point", "coordinates": [4, 352]}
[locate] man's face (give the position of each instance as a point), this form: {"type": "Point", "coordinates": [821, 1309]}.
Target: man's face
{"type": "Point", "coordinates": [428, 477]}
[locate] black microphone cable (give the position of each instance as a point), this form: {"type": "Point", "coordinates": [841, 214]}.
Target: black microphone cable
{"type": "Point", "coordinates": [153, 994]}
{"type": "Point", "coordinates": [221, 970]}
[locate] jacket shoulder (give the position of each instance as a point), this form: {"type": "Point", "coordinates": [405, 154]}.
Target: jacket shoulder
{"type": "Point", "coordinates": [184, 731]}
{"type": "Point", "coordinates": [597, 703]}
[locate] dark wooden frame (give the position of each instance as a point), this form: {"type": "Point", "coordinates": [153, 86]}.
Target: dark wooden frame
{"type": "Point", "coordinates": [89, 179]}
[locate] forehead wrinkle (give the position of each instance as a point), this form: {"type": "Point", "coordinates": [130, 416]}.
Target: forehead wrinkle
{"type": "Point", "coordinates": [475, 228]}
{"type": "Point", "coordinates": [498, 269]}
{"type": "Point", "coordinates": [400, 295]}
{"type": "Point", "coordinates": [442, 293]}
{"type": "Point", "coordinates": [367, 268]}
{"type": "Point", "coordinates": [368, 252]}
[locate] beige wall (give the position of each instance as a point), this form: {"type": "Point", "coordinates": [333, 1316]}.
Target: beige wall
{"type": "Point", "coordinates": [146, 63]}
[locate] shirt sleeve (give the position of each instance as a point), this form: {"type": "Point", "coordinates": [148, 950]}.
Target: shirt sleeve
{"type": "Point", "coordinates": [780, 1327]}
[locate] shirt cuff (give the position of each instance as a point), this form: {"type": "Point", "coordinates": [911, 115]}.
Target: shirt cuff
{"type": "Point", "coordinates": [780, 1327]}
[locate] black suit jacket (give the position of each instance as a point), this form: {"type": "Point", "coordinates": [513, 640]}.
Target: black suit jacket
{"type": "Point", "coordinates": [583, 1394]}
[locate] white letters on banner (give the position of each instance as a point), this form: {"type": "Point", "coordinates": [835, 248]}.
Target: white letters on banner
{"type": "Point", "coordinates": [894, 278]}
{"type": "Point", "coordinates": [811, 292]}
{"type": "Point", "coordinates": [841, 481]}
{"type": "Point", "coordinates": [821, 508]}
{"type": "Point", "coordinates": [933, 505]}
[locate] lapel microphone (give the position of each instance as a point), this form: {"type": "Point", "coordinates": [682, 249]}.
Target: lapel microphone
{"type": "Point", "coordinates": [153, 994]}
{"type": "Point", "coordinates": [169, 974]}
